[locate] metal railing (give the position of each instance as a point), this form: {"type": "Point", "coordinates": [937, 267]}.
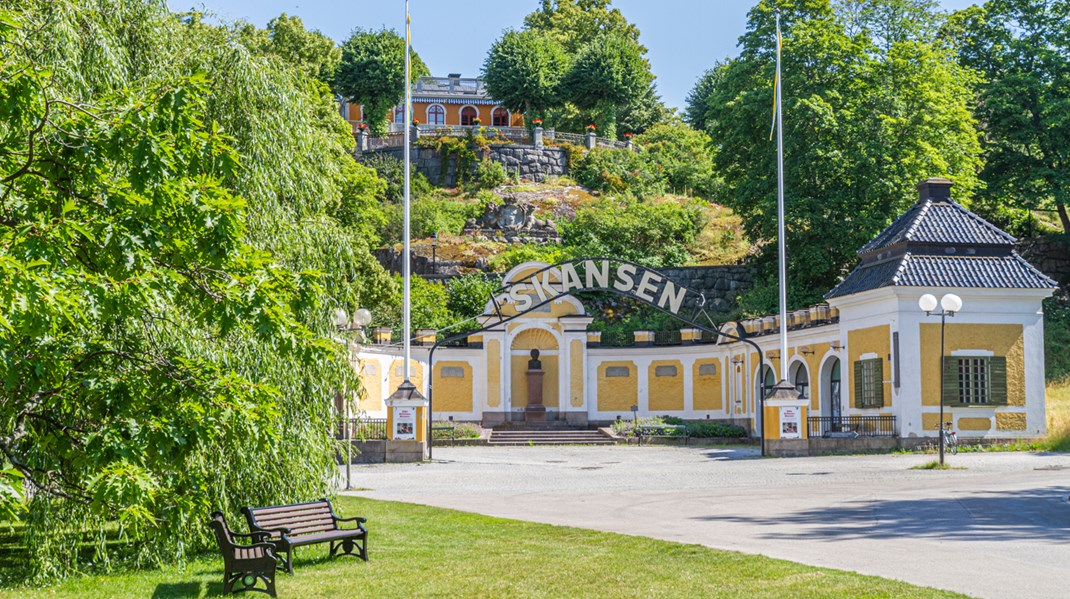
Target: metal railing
{"type": "Point", "coordinates": [852, 426]}
{"type": "Point", "coordinates": [363, 429]}
{"type": "Point", "coordinates": [667, 337]}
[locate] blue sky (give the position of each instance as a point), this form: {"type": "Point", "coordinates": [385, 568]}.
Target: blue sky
{"type": "Point", "coordinates": [684, 37]}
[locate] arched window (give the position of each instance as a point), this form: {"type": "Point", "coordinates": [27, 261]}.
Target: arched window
{"type": "Point", "coordinates": [468, 113]}
{"type": "Point", "coordinates": [436, 115]}
{"type": "Point", "coordinates": [500, 117]}
{"type": "Point", "coordinates": [768, 381]}
{"type": "Point", "coordinates": [399, 115]}
{"type": "Point", "coordinates": [802, 382]}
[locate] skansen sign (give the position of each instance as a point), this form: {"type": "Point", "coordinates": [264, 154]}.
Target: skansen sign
{"type": "Point", "coordinates": [600, 274]}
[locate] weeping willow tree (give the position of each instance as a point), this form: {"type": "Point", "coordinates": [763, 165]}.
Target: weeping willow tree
{"type": "Point", "coordinates": [170, 249]}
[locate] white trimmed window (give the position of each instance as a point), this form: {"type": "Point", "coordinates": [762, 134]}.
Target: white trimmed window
{"type": "Point", "coordinates": [436, 115]}
{"type": "Point", "coordinates": [869, 383]}
{"type": "Point", "coordinates": [975, 380]}
{"type": "Point", "coordinates": [500, 117]}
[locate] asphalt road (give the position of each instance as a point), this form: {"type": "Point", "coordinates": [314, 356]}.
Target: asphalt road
{"type": "Point", "coordinates": [998, 527]}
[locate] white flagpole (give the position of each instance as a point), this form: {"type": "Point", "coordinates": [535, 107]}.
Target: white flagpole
{"type": "Point", "coordinates": [406, 258]}
{"type": "Point", "coordinates": [780, 212]}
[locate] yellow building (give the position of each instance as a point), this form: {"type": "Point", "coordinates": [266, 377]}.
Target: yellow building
{"type": "Point", "coordinates": [444, 102]}
{"type": "Point", "coordinates": [866, 363]}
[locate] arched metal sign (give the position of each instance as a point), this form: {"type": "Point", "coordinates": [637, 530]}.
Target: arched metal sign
{"type": "Point", "coordinates": [612, 275]}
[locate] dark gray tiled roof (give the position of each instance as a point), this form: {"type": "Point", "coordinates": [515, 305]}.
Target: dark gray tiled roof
{"type": "Point", "coordinates": [910, 270]}
{"type": "Point", "coordinates": [939, 221]}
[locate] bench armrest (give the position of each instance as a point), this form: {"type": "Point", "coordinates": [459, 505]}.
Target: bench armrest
{"type": "Point", "coordinates": [356, 519]}
{"type": "Point", "coordinates": [282, 531]}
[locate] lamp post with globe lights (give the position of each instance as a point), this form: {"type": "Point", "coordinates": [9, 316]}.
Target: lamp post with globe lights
{"type": "Point", "coordinates": [361, 319]}
{"type": "Point", "coordinates": [949, 305]}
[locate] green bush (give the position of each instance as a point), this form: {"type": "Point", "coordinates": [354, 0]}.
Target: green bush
{"type": "Point", "coordinates": [490, 174]}
{"type": "Point", "coordinates": [467, 296]}
{"type": "Point", "coordinates": [461, 430]}
{"type": "Point", "coordinates": [518, 254]}
{"type": "Point", "coordinates": [619, 171]}
{"type": "Point", "coordinates": [654, 234]}
{"type": "Point", "coordinates": [429, 310]}
{"type": "Point", "coordinates": [1057, 337]}
{"type": "Point", "coordinates": [392, 171]}
{"type": "Point", "coordinates": [682, 155]}
{"type": "Point", "coordinates": [430, 215]}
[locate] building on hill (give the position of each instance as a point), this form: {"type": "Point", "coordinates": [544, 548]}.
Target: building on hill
{"type": "Point", "coordinates": [868, 365]}
{"type": "Point", "coordinates": [445, 101]}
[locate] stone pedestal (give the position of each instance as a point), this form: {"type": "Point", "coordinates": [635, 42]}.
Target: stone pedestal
{"type": "Point", "coordinates": [535, 411]}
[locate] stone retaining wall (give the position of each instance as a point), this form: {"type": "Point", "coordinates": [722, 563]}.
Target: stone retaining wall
{"type": "Point", "coordinates": [719, 284]}
{"type": "Point", "coordinates": [533, 164]}
{"type": "Point", "coordinates": [1050, 254]}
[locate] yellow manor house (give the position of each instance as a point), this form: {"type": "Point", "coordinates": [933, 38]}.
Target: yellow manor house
{"type": "Point", "coordinates": [445, 102]}
{"type": "Point", "coordinates": [867, 362]}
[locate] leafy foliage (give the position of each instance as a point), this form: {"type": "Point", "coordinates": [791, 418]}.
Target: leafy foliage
{"type": "Point", "coordinates": [683, 156]}
{"type": "Point", "coordinates": [619, 171]}
{"type": "Point", "coordinates": [654, 234]}
{"type": "Point", "coordinates": [575, 23]}
{"type": "Point", "coordinates": [1022, 49]}
{"type": "Point", "coordinates": [862, 126]}
{"type": "Point", "coordinates": [164, 313]}
{"type": "Point", "coordinates": [1057, 337]}
{"type": "Point", "coordinates": [372, 73]}
{"type": "Point", "coordinates": [523, 71]}
{"type": "Point", "coordinates": [468, 295]}
{"type": "Point", "coordinates": [392, 172]}
{"type": "Point", "coordinates": [311, 52]}
{"type": "Point", "coordinates": [608, 73]}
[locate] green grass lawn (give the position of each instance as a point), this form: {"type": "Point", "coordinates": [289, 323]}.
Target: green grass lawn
{"type": "Point", "coordinates": [419, 551]}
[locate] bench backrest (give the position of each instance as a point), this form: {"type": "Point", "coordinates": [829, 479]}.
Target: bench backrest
{"type": "Point", "coordinates": [301, 518]}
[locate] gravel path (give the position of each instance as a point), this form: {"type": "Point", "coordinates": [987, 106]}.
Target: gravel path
{"type": "Point", "coordinates": [998, 527]}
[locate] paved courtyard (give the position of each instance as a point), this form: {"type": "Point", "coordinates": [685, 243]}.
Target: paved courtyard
{"type": "Point", "coordinates": [1000, 527]}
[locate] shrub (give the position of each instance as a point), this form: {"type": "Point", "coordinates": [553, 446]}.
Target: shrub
{"type": "Point", "coordinates": [461, 430]}
{"type": "Point", "coordinates": [654, 234]}
{"type": "Point", "coordinates": [682, 155]}
{"type": "Point", "coordinates": [490, 174]}
{"type": "Point", "coordinates": [467, 296]}
{"type": "Point", "coordinates": [518, 254]}
{"type": "Point", "coordinates": [618, 170]}
{"type": "Point", "coordinates": [431, 215]}
{"type": "Point", "coordinates": [392, 171]}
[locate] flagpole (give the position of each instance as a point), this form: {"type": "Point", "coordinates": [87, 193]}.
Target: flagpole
{"type": "Point", "coordinates": [780, 212]}
{"type": "Point", "coordinates": [406, 258]}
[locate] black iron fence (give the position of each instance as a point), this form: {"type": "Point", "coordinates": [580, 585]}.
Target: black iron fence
{"type": "Point", "coordinates": [363, 428]}
{"type": "Point", "coordinates": [852, 426]}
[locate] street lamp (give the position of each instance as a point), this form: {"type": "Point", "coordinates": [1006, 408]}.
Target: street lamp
{"type": "Point", "coordinates": [361, 318]}
{"type": "Point", "coordinates": [949, 305]}
{"type": "Point", "coordinates": [434, 257]}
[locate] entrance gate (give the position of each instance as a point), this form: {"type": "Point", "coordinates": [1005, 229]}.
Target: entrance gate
{"type": "Point", "coordinates": [628, 279]}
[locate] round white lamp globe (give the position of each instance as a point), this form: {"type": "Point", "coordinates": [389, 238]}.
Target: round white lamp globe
{"type": "Point", "coordinates": [927, 302]}
{"type": "Point", "coordinates": [951, 303]}
{"type": "Point", "coordinates": [340, 317]}
{"type": "Point", "coordinates": [362, 317]}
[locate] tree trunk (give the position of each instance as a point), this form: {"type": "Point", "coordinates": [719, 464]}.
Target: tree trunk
{"type": "Point", "coordinates": [1064, 217]}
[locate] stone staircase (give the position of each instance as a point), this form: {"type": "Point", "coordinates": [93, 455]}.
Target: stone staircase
{"type": "Point", "coordinates": [548, 436]}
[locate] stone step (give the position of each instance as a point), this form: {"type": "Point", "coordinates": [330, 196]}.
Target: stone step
{"type": "Point", "coordinates": [549, 437]}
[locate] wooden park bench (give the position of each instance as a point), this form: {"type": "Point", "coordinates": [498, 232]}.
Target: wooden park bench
{"type": "Point", "coordinates": [245, 565]}
{"type": "Point", "coordinates": [309, 523]}
{"type": "Point", "coordinates": [667, 431]}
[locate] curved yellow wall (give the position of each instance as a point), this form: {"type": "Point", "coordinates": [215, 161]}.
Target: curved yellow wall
{"type": "Point", "coordinates": [706, 389]}
{"type": "Point", "coordinates": [453, 394]}
{"type": "Point", "coordinates": [617, 394]}
{"type": "Point", "coordinates": [666, 393]}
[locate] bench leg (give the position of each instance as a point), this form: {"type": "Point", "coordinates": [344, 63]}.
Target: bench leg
{"type": "Point", "coordinates": [348, 545]}
{"type": "Point", "coordinates": [249, 581]}
{"type": "Point", "coordinates": [285, 560]}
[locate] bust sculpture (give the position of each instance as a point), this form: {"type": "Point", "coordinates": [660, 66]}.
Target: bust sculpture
{"type": "Point", "coordinates": [534, 363]}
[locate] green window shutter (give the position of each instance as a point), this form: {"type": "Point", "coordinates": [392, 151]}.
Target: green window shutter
{"type": "Point", "coordinates": [877, 393]}
{"type": "Point", "coordinates": [858, 384]}
{"type": "Point", "coordinates": [997, 380]}
{"type": "Point", "coordinates": [950, 391]}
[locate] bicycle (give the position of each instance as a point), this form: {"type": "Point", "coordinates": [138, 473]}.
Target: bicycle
{"type": "Point", "coordinates": [951, 438]}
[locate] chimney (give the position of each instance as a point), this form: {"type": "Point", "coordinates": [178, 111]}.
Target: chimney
{"type": "Point", "coordinates": [936, 189]}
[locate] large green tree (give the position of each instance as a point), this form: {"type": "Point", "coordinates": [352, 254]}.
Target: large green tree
{"type": "Point", "coordinates": [372, 73]}
{"type": "Point", "coordinates": [862, 126]}
{"type": "Point", "coordinates": [523, 72]}
{"type": "Point", "coordinates": [1022, 50]}
{"type": "Point", "coordinates": [171, 247]}
{"type": "Point", "coordinates": [576, 23]}
{"type": "Point", "coordinates": [608, 74]}
{"type": "Point", "coordinates": [311, 52]}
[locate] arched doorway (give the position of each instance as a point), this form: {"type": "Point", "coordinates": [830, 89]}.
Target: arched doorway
{"type": "Point", "coordinates": [831, 390]}
{"type": "Point", "coordinates": [468, 114]}
{"type": "Point", "coordinates": [800, 377]}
